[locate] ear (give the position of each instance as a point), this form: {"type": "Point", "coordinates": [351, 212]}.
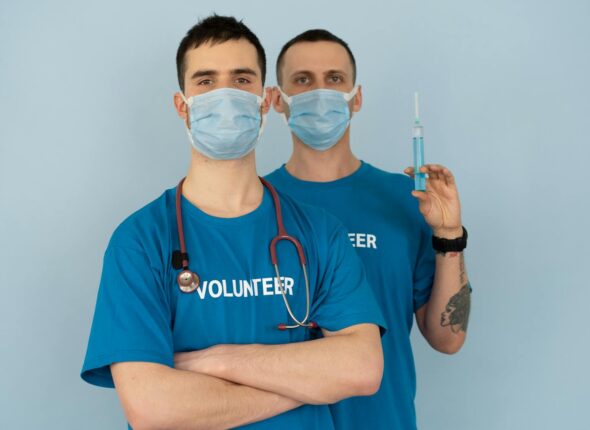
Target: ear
{"type": "Point", "coordinates": [268, 93]}
{"type": "Point", "coordinates": [181, 107]}
{"type": "Point", "coordinates": [357, 100]}
{"type": "Point", "coordinates": [277, 101]}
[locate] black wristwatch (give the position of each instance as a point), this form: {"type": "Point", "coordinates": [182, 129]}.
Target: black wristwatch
{"type": "Point", "coordinates": [450, 245]}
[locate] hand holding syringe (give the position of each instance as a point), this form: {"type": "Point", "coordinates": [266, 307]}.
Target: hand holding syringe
{"type": "Point", "coordinates": [440, 205]}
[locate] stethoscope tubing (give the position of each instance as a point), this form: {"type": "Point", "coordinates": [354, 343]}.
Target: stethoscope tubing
{"type": "Point", "coordinates": [188, 281]}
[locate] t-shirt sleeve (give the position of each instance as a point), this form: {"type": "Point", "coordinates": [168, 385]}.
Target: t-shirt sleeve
{"type": "Point", "coordinates": [424, 267]}
{"type": "Point", "coordinates": [131, 319]}
{"type": "Point", "coordinates": [344, 297]}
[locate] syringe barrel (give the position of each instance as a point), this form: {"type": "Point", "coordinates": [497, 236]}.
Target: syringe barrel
{"type": "Point", "coordinates": [418, 144]}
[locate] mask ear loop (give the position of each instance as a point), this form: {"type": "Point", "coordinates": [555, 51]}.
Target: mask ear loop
{"type": "Point", "coordinates": [262, 115]}
{"type": "Point", "coordinates": [349, 96]}
{"type": "Point", "coordinates": [188, 103]}
{"type": "Point", "coordinates": [287, 100]}
{"type": "Point", "coordinates": [285, 97]}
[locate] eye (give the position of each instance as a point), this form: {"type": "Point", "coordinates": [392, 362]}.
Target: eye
{"type": "Point", "coordinates": [335, 79]}
{"type": "Point", "coordinates": [302, 80]}
{"type": "Point", "coordinates": [242, 81]}
{"type": "Point", "coordinates": [205, 82]}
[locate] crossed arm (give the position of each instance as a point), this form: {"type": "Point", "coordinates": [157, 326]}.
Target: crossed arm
{"type": "Point", "coordinates": [154, 396]}
{"type": "Point", "coordinates": [231, 385]}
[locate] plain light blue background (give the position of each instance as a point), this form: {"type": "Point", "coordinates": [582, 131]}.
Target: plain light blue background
{"type": "Point", "coordinates": [88, 134]}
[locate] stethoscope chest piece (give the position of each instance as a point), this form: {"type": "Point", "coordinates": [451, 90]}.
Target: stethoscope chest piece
{"type": "Point", "coordinates": [188, 281]}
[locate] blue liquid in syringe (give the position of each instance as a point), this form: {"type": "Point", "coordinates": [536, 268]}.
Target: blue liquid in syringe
{"type": "Point", "coordinates": [418, 144]}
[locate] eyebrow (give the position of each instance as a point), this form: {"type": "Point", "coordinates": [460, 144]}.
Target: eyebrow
{"type": "Point", "coordinates": [341, 72]}
{"type": "Point", "coordinates": [200, 73]}
{"type": "Point", "coordinates": [240, 71]}
{"type": "Point", "coordinates": [328, 72]}
{"type": "Point", "coordinates": [244, 71]}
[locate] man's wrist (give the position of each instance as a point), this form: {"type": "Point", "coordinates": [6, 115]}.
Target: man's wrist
{"type": "Point", "coordinates": [223, 360]}
{"type": "Point", "coordinates": [215, 360]}
{"type": "Point", "coordinates": [446, 233]}
{"type": "Point", "coordinates": [207, 361]}
{"type": "Point", "coordinates": [452, 244]}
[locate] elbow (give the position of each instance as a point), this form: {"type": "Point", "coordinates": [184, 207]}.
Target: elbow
{"type": "Point", "coordinates": [141, 418]}
{"type": "Point", "coordinates": [148, 416]}
{"type": "Point", "coordinates": [138, 420]}
{"type": "Point", "coordinates": [361, 382]}
{"type": "Point", "coordinates": [369, 381]}
{"type": "Point", "coordinates": [140, 423]}
{"type": "Point", "coordinates": [364, 379]}
{"type": "Point", "coordinates": [367, 374]}
{"type": "Point", "coordinates": [449, 347]}
{"type": "Point", "coordinates": [146, 405]}
{"type": "Point", "coordinates": [372, 385]}
{"type": "Point", "coordinates": [448, 350]}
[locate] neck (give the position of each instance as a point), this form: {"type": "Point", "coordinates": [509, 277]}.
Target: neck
{"type": "Point", "coordinates": [322, 166]}
{"type": "Point", "coordinates": [223, 188]}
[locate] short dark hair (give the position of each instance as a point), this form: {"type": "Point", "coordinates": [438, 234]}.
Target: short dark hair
{"type": "Point", "coordinates": [217, 29]}
{"type": "Point", "coordinates": [315, 35]}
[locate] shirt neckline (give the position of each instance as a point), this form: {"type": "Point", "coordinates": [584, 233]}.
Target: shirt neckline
{"type": "Point", "coordinates": [192, 212]}
{"type": "Point", "coordinates": [346, 180]}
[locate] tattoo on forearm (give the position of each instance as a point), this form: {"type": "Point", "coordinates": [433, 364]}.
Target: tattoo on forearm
{"type": "Point", "coordinates": [456, 314]}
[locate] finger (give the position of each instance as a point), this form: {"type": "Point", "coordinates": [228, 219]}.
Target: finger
{"type": "Point", "coordinates": [435, 167]}
{"type": "Point", "coordinates": [442, 174]}
{"type": "Point", "coordinates": [449, 178]}
{"type": "Point", "coordinates": [433, 174]}
{"type": "Point", "coordinates": [409, 171]}
{"type": "Point", "coordinates": [437, 171]}
{"type": "Point", "coordinates": [430, 184]}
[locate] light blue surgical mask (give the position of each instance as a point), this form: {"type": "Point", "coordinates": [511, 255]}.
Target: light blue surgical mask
{"type": "Point", "coordinates": [319, 117]}
{"type": "Point", "coordinates": [225, 124]}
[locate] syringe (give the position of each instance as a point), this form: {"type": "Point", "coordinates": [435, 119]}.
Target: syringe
{"type": "Point", "coordinates": [418, 143]}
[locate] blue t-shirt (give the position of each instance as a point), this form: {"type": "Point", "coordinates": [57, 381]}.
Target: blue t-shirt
{"type": "Point", "coordinates": [394, 242]}
{"type": "Point", "coordinates": [141, 315]}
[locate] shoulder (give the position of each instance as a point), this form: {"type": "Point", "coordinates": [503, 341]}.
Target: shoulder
{"type": "Point", "coordinates": [277, 177]}
{"type": "Point", "coordinates": [389, 179]}
{"type": "Point", "coordinates": [140, 230]}
{"type": "Point", "coordinates": [394, 187]}
{"type": "Point", "coordinates": [275, 173]}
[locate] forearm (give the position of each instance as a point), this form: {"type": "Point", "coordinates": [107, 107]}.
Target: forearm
{"type": "Point", "coordinates": [447, 311]}
{"type": "Point", "coordinates": [317, 372]}
{"type": "Point", "coordinates": [156, 396]}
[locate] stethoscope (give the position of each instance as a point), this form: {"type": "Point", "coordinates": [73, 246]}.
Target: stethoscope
{"type": "Point", "coordinates": [188, 281]}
